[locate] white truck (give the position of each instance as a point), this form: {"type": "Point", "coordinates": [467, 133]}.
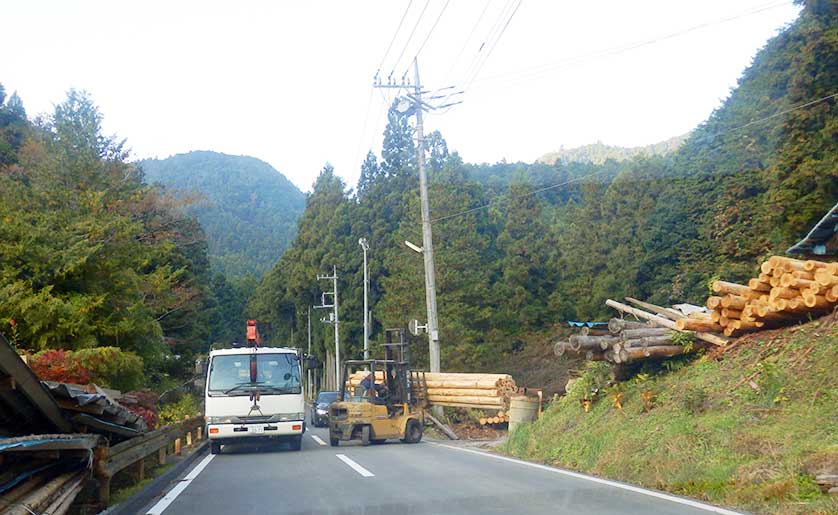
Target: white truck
{"type": "Point", "coordinates": [254, 393]}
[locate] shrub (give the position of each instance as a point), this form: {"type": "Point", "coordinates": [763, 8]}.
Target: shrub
{"type": "Point", "coordinates": [185, 408]}
{"type": "Point", "coordinates": [110, 367]}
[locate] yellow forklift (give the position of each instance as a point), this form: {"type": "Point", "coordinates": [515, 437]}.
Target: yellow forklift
{"type": "Point", "coordinates": [384, 409]}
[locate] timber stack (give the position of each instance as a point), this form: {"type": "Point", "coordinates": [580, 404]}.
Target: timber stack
{"type": "Point", "coordinates": [502, 417]}
{"type": "Point", "coordinates": [461, 390]}
{"type": "Point", "coordinates": [628, 341]}
{"type": "Point", "coordinates": [786, 291]}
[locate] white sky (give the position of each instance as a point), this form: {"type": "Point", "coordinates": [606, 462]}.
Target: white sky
{"type": "Point", "coordinates": [289, 82]}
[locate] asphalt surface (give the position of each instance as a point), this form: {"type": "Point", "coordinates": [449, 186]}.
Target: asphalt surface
{"type": "Point", "coordinates": [397, 478]}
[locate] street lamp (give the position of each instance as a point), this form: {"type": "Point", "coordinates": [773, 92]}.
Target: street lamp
{"type": "Point", "coordinates": [364, 245]}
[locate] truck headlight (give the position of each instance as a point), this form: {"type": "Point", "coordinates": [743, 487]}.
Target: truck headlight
{"type": "Point", "coordinates": [220, 420]}
{"type": "Point", "coordinates": [287, 417]}
{"type": "Point", "coordinates": [321, 411]}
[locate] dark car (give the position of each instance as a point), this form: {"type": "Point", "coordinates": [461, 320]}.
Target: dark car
{"type": "Point", "coordinates": [320, 408]}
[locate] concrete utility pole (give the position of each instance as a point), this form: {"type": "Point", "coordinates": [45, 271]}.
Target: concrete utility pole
{"type": "Point", "coordinates": [427, 249]}
{"type": "Point", "coordinates": [365, 246]}
{"type": "Point", "coordinates": [333, 319]}
{"type": "Point", "coordinates": [310, 385]}
{"type": "Point", "coordinates": [427, 238]}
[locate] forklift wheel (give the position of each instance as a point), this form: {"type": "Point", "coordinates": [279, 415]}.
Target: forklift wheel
{"type": "Point", "coordinates": [333, 441]}
{"type": "Point", "coordinates": [365, 435]}
{"type": "Point", "coordinates": [412, 432]}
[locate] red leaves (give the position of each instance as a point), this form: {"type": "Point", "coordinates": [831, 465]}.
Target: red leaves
{"type": "Point", "coordinates": [60, 366]}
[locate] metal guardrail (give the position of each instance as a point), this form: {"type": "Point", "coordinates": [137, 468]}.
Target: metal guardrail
{"type": "Point", "coordinates": [108, 461]}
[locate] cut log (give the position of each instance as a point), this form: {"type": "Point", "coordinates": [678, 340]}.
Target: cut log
{"type": "Point", "coordinates": [577, 341]}
{"type": "Point", "coordinates": [832, 295]}
{"type": "Point", "coordinates": [732, 313]}
{"type": "Point", "coordinates": [776, 261]}
{"type": "Point", "coordinates": [784, 293]}
{"type": "Point", "coordinates": [698, 325]}
{"type": "Point", "coordinates": [809, 276]}
{"type": "Point", "coordinates": [766, 267]}
{"type": "Point", "coordinates": [630, 334]}
{"type": "Point", "coordinates": [661, 321]}
{"type": "Point", "coordinates": [671, 314]}
{"type": "Point", "coordinates": [648, 341]}
{"type": "Point", "coordinates": [615, 325]}
{"type": "Point", "coordinates": [817, 302]}
{"type": "Point", "coordinates": [661, 351]}
{"type": "Point", "coordinates": [699, 315]}
{"type": "Point", "coordinates": [757, 285]}
{"type": "Point", "coordinates": [734, 301]}
{"type": "Point", "coordinates": [588, 331]}
{"type": "Point", "coordinates": [826, 277]}
{"type": "Point", "coordinates": [483, 401]}
{"type": "Point", "coordinates": [725, 287]}
{"type": "Point", "coordinates": [559, 348]}
{"type": "Point", "coordinates": [463, 392]}
{"type": "Point", "coordinates": [714, 302]}
{"type": "Point", "coordinates": [715, 316]}
{"type": "Point", "coordinates": [776, 280]}
{"type": "Point", "coordinates": [811, 265]}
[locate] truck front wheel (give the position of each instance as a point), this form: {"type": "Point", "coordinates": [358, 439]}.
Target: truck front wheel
{"type": "Point", "coordinates": [215, 447]}
{"type": "Point", "coordinates": [297, 443]}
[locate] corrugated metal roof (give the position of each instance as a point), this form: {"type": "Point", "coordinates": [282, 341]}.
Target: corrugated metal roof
{"type": "Point", "coordinates": [814, 242]}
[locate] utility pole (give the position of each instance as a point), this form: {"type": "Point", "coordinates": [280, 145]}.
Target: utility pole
{"type": "Point", "coordinates": [365, 246]}
{"type": "Point", "coordinates": [427, 249]}
{"type": "Point", "coordinates": [310, 385]}
{"type": "Point", "coordinates": [427, 238]}
{"type": "Point", "coordinates": [333, 318]}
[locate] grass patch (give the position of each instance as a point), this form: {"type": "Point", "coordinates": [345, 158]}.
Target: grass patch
{"type": "Point", "coordinates": [745, 428]}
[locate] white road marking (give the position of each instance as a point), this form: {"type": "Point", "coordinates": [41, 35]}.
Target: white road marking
{"type": "Point", "coordinates": [318, 439]}
{"type": "Point", "coordinates": [630, 488]}
{"type": "Point", "coordinates": [167, 499]}
{"type": "Point", "coordinates": [357, 468]}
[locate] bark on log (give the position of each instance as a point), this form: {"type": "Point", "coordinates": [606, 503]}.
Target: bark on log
{"type": "Point", "coordinates": [577, 341]}
{"type": "Point", "coordinates": [716, 340]}
{"type": "Point", "coordinates": [698, 325]}
{"type": "Point", "coordinates": [648, 341]}
{"type": "Point", "coordinates": [757, 285]}
{"type": "Point", "coordinates": [594, 356]}
{"type": "Point", "coordinates": [734, 289]}
{"type": "Point", "coordinates": [714, 302]}
{"type": "Point", "coordinates": [784, 293]}
{"type": "Point", "coordinates": [732, 313]}
{"type": "Point", "coordinates": [661, 351]}
{"type": "Point", "coordinates": [615, 325]}
{"type": "Point", "coordinates": [587, 331]}
{"type": "Point", "coordinates": [664, 312]}
{"type": "Point", "coordinates": [631, 334]}
{"type": "Point", "coordinates": [809, 276]}
{"type": "Point", "coordinates": [734, 301]}
{"type": "Point", "coordinates": [812, 264]}
{"type": "Point", "coordinates": [699, 315]}
{"type": "Point", "coordinates": [483, 401]}
{"type": "Point", "coordinates": [715, 315]}
{"type": "Point", "coordinates": [816, 302]}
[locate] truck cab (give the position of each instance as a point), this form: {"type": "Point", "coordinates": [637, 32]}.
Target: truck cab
{"type": "Point", "coordinates": [254, 394]}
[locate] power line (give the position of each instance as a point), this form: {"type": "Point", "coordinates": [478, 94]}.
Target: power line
{"type": "Point", "coordinates": [494, 45]}
{"type": "Point", "coordinates": [594, 174]}
{"type": "Point", "coordinates": [410, 37]}
{"type": "Point", "coordinates": [395, 34]}
{"type": "Point", "coordinates": [548, 67]}
{"type": "Point", "coordinates": [444, 7]}
{"type": "Point", "coordinates": [468, 40]}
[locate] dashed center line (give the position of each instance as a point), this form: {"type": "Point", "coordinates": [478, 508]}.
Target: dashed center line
{"type": "Point", "coordinates": [357, 468]}
{"type": "Point", "coordinates": [318, 439]}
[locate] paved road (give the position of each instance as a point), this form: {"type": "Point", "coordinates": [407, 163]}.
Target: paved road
{"type": "Point", "coordinates": [396, 478]}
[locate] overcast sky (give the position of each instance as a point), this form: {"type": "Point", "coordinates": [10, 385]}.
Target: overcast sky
{"type": "Point", "coordinates": [290, 82]}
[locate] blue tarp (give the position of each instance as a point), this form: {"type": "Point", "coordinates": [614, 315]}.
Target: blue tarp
{"type": "Point", "coordinates": [587, 324]}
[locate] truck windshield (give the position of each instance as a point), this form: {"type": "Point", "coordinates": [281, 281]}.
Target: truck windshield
{"type": "Point", "coordinates": [275, 373]}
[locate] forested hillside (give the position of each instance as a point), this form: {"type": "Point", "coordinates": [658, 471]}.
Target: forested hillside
{"type": "Point", "coordinates": [248, 210]}
{"type": "Point", "coordinates": [520, 247]}
{"type": "Point", "coordinates": [599, 153]}
{"type": "Point", "coordinates": [90, 256]}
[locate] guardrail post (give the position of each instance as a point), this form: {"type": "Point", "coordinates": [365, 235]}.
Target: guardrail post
{"type": "Point", "coordinates": [103, 491]}
{"type": "Point", "coordinates": [141, 469]}
{"type": "Point", "coordinates": [200, 433]}
{"type": "Point", "coordinates": [161, 455]}
{"type": "Point", "coordinates": [177, 446]}
{"type": "Point", "coordinates": [189, 439]}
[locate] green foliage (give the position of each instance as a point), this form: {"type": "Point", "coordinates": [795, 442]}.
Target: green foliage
{"type": "Point", "coordinates": [109, 367]}
{"type": "Point", "coordinates": [709, 435]}
{"type": "Point", "coordinates": [184, 408]}
{"type": "Point", "coordinates": [89, 255]}
{"type": "Point", "coordinates": [247, 209]}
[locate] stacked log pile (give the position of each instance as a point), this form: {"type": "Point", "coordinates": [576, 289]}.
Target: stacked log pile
{"type": "Point", "coordinates": [462, 390]}
{"type": "Point", "coordinates": [502, 417]}
{"type": "Point", "coordinates": [626, 341]}
{"type": "Point", "coordinates": [786, 291]}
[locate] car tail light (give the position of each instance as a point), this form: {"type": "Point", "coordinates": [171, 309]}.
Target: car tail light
{"type": "Point", "coordinates": [213, 430]}
{"type": "Point", "coordinates": [296, 427]}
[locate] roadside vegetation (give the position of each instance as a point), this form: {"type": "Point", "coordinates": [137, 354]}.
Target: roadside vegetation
{"type": "Point", "coordinates": [749, 427]}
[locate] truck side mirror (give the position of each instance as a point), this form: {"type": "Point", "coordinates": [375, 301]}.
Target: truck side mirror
{"type": "Point", "coordinates": [313, 363]}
